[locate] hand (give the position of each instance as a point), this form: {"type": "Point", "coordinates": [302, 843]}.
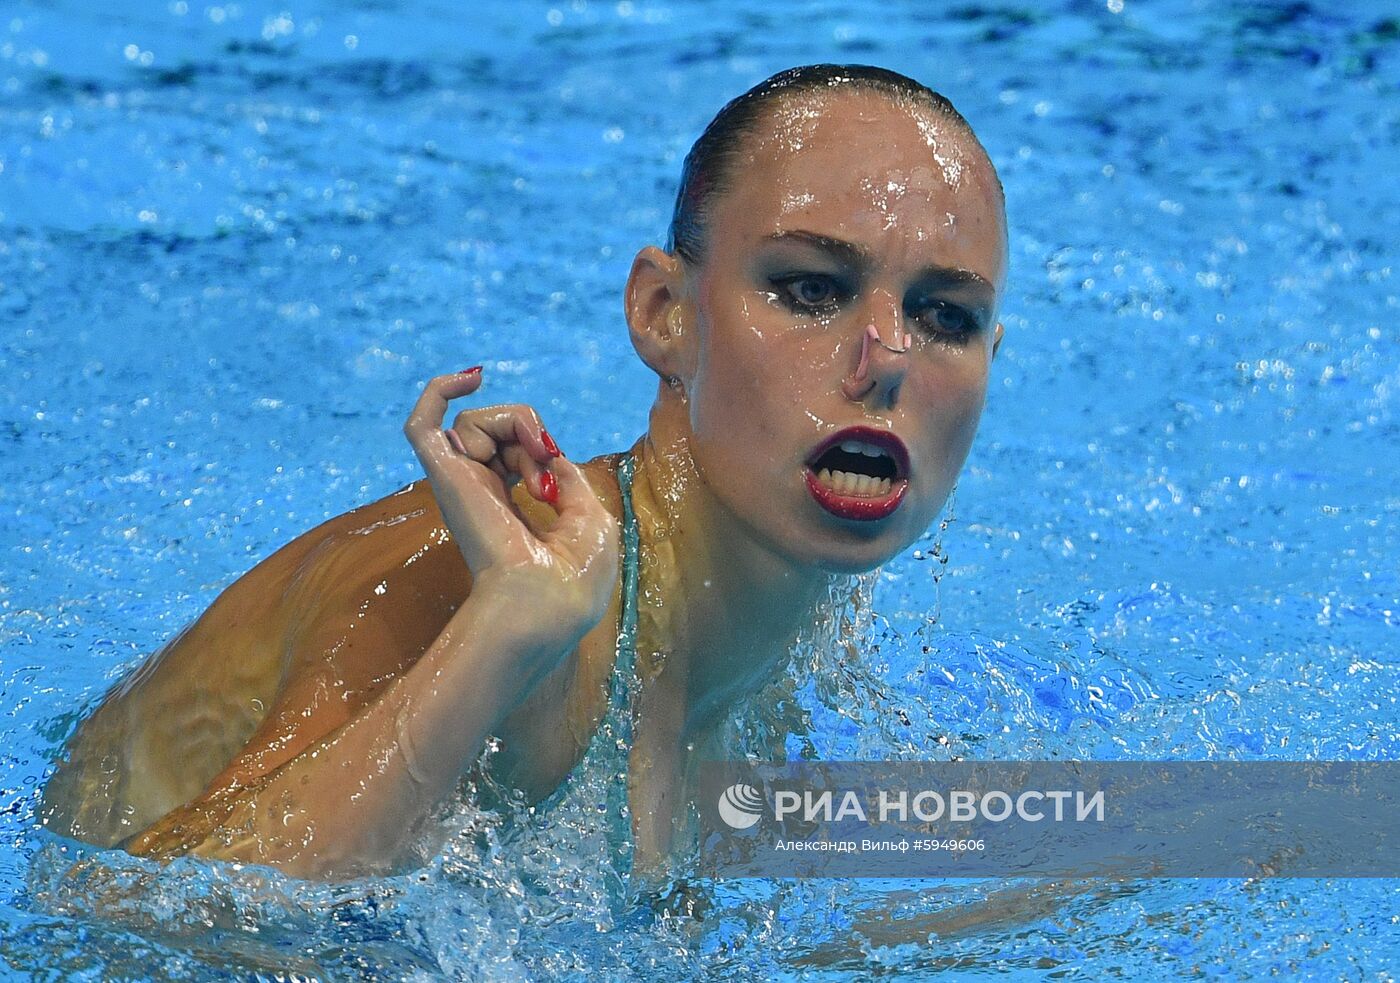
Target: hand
{"type": "Point", "coordinates": [560, 581]}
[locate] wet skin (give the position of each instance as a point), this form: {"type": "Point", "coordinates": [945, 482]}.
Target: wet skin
{"type": "Point", "coordinates": [850, 213]}
{"type": "Point", "coordinates": [294, 649]}
{"type": "Point", "coordinates": [841, 222]}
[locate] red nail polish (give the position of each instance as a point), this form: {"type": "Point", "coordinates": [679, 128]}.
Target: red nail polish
{"type": "Point", "coordinates": [550, 487]}
{"type": "Point", "coordinates": [474, 368]}
{"type": "Point", "coordinates": [549, 443]}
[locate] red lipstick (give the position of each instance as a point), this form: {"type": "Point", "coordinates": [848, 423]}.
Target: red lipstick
{"type": "Point", "coordinates": [859, 507]}
{"type": "Point", "coordinates": [859, 451]}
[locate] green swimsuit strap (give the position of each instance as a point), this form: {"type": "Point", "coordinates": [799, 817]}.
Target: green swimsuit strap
{"type": "Point", "coordinates": [616, 731]}
{"type": "Point", "coordinates": [627, 631]}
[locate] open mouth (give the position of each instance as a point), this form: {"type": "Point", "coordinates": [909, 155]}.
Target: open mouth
{"type": "Point", "coordinates": [859, 473]}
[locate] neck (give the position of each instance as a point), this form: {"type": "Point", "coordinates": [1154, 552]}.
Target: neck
{"type": "Point", "coordinates": [719, 609]}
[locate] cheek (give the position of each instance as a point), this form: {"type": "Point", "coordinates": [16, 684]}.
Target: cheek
{"type": "Point", "coordinates": [727, 396]}
{"type": "Point", "coordinates": [950, 399]}
{"type": "Point", "coordinates": [756, 371]}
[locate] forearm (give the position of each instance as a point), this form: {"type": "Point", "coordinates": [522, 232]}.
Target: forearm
{"type": "Point", "coordinates": [353, 802]}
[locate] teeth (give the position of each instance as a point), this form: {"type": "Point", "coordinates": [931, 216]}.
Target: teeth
{"type": "Point", "coordinates": [856, 485]}
{"type": "Point", "coordinates": [860, 447]}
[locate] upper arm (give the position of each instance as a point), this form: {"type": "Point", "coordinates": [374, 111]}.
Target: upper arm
{"type": "Point", "coordinates": [165, 732]}
{"type": "Point", "coordinates": [367, 603]}
{"type": "Point", "coordinates": [362, 607]}
{"type": "Point", "coordinates": [161, 733]}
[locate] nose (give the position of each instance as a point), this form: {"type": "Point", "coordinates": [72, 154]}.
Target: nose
{"type": "Point", "coordinates": [885, 321]}
{"type": "Point", "coordinates": [884, 343]}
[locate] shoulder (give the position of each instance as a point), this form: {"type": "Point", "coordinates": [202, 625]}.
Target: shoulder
{"type": "Point", "coordinates": [411, 515]}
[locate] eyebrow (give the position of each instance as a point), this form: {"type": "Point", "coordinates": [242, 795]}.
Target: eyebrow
{"type": "Point", "coordinates": [859, 256]}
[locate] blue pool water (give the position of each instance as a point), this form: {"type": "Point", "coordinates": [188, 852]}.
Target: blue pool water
{"type": "Point", "coordinates": [235, 239]}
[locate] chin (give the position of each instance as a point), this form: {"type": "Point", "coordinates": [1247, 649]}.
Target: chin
{"type": "Point", "coordinates": [847, 551]}
{"type": "Point", "coordinates": [795, 526]}
{"type": "Point", "coordinates": [847, 546]}
{"type": "Point", "coordinates": [857, 560]}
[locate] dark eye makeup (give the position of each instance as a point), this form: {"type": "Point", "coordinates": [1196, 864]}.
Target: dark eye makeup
{"type": "Point", "coordinates": [812, 294]}
{"type": "Point", "coordinates": [943, 318]}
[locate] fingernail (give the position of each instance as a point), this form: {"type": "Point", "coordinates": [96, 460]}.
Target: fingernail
{"type": "Point", "coordinates": [550, 487]}
{"type": "Point", "coordinates": [474, 368]}
{"type": "Point", "coordinates": [548, 441]}
{"type": "Point", "coordinates": [455, 441]}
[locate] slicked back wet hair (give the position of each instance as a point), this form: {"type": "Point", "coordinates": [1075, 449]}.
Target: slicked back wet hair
{"type": "Point", "coordinates": [710, 164]}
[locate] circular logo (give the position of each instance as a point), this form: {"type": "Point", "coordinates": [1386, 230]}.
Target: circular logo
{"type": "Point", "coordinates": [741, 806]}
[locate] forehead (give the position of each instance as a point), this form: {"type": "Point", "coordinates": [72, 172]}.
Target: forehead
{"type": "Point", "coordinates": [860, 166]}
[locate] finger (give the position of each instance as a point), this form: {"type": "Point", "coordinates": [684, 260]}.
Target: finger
{"type": "Point", "coordinates": [494, 461]}
{"type": "Point", "coordinates": [423, 428]}
{"type": "Point", "coordinates": [473, 505]}
{"type": "Point", "coordinates": [485, 430]}
{"type": "Point", "coordinates": [495, 465]}
{"type": "Point", "coordinates": [431, 408]}
{"type": "Point", "coordinates": [501, 471]}
{"type": "Point", "coordinates": [477, 510]}
{"type": "Point", "coordinates": [536, 476]}
{"type": "Point", "coordinates": [511, 441]}
{"type": "Point", "coordinates": [585, 528]}
{"type": "Point", "coordinates": [476, 442]}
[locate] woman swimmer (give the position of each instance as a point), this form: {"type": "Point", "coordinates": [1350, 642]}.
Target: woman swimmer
{"type": "Point", "coordinates": [822, 325]}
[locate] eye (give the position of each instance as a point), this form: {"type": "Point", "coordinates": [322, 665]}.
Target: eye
{"type": "Point", "coordinates": [939, 317]}
{"type": "Point", "coordinates": [809, 291]}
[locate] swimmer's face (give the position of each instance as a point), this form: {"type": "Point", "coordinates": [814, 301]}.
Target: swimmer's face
{"type": "Point", "coordinates": [845, 213]}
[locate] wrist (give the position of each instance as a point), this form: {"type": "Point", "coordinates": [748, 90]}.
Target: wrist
{"type": "Point", "coordinates": [500, 647]}
{"type": "Point", "coordinates": [528, 611]}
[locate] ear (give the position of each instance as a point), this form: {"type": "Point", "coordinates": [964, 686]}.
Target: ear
{"type": "Point", "coordinates": [656, 316]}
{"type": "Point", "coordinates": [996, 339]}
